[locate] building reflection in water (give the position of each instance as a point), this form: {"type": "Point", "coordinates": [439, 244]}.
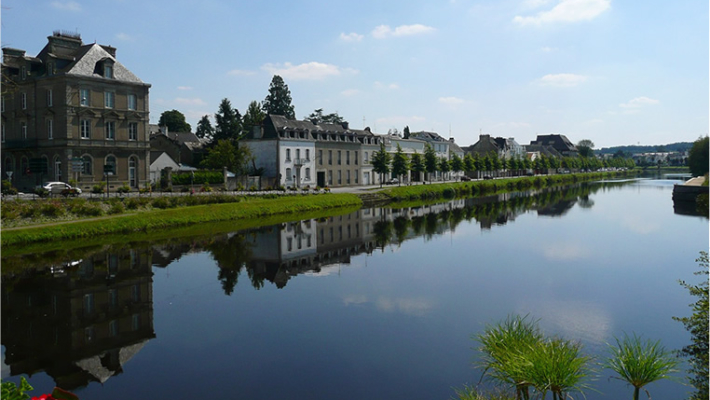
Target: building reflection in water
{"type": "Point", "coordinates": [79, 322]}
{"type": "Point", "coordinates": [82, 321]}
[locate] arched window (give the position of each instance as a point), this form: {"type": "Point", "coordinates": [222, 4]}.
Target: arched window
{"type": "Point", "coordinates": [133, 172]}
{"type": "Point", "coordinates": [57, 168]}
{"type": "Point", "coordinates": [88, 165]}
{"type": "Point", "coordinates": [111, 160]}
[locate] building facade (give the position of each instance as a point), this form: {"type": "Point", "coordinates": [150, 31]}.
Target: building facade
{"type": "Point", "coordinates": [70, 111]}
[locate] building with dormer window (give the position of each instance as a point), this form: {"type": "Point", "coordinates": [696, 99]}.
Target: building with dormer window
{"type": "Point", "coordinates": [68, 112]}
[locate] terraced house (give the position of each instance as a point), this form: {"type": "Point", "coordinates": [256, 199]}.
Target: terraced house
{"type": "Point", "coordinates": [73, 112]}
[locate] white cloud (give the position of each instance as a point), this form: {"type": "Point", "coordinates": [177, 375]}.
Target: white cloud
{"type": "Point", "coordinates": [562, 80]}
{"type": "Point", "coordinates": [452, 101]}
{"type": "Point", "coordinates": [639, 102]}
{"type": "Point", "coordinates": [306, 71]}
{"type": "Point", "coordinates": [532, 4]}
{"type": "Point", "coordinates": [240, 72]}
{"type": "Point", "coordinates": [124, 37]}
{"type": "Point", "coordinates": [567, 11]}
{"type": "Point", "coordinates": [385, 31]}
{"type": "Point", "coordinates": [184, 87]}
{"type": "Point", "coordinates": [191, 102]}
{"type": "Point", "coordinates": [350, 92]}
{"type": "Point", "coordinates": [67, 5]}
{"type": "Point", "coordinates": [391, 86]}
{"type": "Point", "coordinates": [351, 37]}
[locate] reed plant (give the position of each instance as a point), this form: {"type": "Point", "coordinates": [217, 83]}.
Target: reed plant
{"type": "Point", "coordinates": [640, 361]}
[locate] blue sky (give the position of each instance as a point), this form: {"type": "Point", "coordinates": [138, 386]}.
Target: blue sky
{"type": "Point", "coordinates": [616, 72]}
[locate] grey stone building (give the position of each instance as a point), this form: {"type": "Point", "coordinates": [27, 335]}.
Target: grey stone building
{"type": "Point", "coordinates": [68, 112]}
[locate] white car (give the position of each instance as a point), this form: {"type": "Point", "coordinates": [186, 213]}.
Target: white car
{"type": "Point", "coordinates": [62, 188]}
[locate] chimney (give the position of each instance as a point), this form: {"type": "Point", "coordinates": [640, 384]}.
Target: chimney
{"type": "Point", "coordinates": [64, 43]}
{"type": "Point", "coordinates": [110, 50]}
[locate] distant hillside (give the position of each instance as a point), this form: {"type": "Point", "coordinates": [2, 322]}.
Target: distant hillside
{"type": "Point", "coordinates": [681, 146]}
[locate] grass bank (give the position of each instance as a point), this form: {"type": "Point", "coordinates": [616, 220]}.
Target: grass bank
{"type": "Point", "coordinates": [255, 209]}
{"type": "Point", "coordinates": [485, 187]}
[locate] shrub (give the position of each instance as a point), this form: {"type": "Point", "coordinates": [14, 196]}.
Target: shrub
{"type": "Point", "coordinates": [7, 188]}
{"type": "Point", "coordinates": [41, 192]}
{"type": "Point", "coordinates": [206, 188]}
{"type": "Point", "coordinates": [117, 208]}
{"type": "Point", "coordinates": [162, 202]}
{"type": "Point", "coordinates": [87, 209]}
{"type": "Point", "coordinates": [99, 188]}
{"type": "Point", "coordinates": [252, 188]}
{"type": "Point", "coordinates": [123, 189]}
{"type": "Point", "coordinates": [53, 209]}
{"type": "Point", "coordinates": [239, 187]}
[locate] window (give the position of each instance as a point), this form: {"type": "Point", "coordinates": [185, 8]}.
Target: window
{"type": "Point", "coordinates": [330, 157]}
{"type": "Point", "coordinates": [85, 128]}
{"type": "Point", "coordinates": [308, 155]}
{"type": "Point", "coordinates": [57, 168]}
{"type": "Point", "coordinates": [347, 177]}
{"type": "Point", "coordinates": [288, 154]}
{"type": "Point", "coordinates": [89, 303]}
{"type": "Point", "coordinates": [340, 177]}
{"type": "Point", "coordinates": [50, 69]}
{"type": "Point", "coordinates": [356, 161]}
{"type": "Point", "coordinates": [88, 165]}
{"type": "Point", "coordinates": [347, 157]}
{"type": "Point", "coordinates": [110, 130]}
{"type": "Point", "coordinates": [109, 99]}
{"type": "Point", "coordinates": [84, 97]}
{"type": "Point", "coordinates": [288, 174]}
{"type": "Point", "coordinates": [298, 154]}
{"type": "Point", "coordinates": [111, 160]}
{"type": "Point", "coordinates": [308, 174]}
{"type": "Point", "coordinates": [49, 97]}
{"type": "Point", "coordinates": [135, 321]}
{"type": "Point", "coordinates": [330, 177]}
{"type": "Point", "coordinates": [108, 71]}
{"type": "Point", "coordinates": [136, 293]}
{"type": "Point", "coordinates": [113, 328]}
{"type": "Point", "coordinates": [132, 102]}
{"type": "Point", "coordinates": [3, 133]}
{"type": "Point", "coordinates": [320, 157]}
{"type": "Point", "coordinates": [364, 154]}
{"type": "Point", "coordinates": [50, 129]}
{"type": "Point", "coordinates": [133, 131]}
{"type": "Point", "coordinates": [2, 107]}
{"type": "Point", "coordinates": [23, 71]}
{"type": "Point", "coordinates": [113, 298]}
{"type": "Point", "coordinates": [23, 130]}
{"type": "Point", "coordinates": [23, 100]}
{"type": "Point", "coordinates": [340, 157]}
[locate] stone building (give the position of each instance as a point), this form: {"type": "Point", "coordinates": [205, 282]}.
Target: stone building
{"type": "Point", "coordinates": [69, 112]}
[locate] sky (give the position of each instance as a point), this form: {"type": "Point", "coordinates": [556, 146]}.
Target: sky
{"type": "Point", "coordinates": [614, 72]}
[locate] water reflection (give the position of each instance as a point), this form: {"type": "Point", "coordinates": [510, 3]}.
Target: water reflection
{"type": "Point", "coordinates": [80, 315]}
{"type": "Point", "coordinates": [80, 322]}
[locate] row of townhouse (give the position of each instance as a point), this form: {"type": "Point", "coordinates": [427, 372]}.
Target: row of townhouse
{"type": "Point", "coordinates": [70, 111]}
{"type": "Point", "coordinates": [295, 153]}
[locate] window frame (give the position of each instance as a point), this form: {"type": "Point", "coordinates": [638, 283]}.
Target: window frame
{"type": "Point", "coordinates": [110, 130]}
{"type": "Point", "coordinates": [23, 100]}
{"type": "Point", "coordinates": [50, 101]}
{"type": "Point", "coordinates": [84, 101]}
{"type": "Point", "coordinates": [50, 128]}
{"type": "Point", "coordinates": [109, 99]}
{"type": "Point", "coordinates": [85, 123]}
{"type": "Point", "coordinates": [133, 131]}
{"type": "Point", "coordinates": [132, 101]}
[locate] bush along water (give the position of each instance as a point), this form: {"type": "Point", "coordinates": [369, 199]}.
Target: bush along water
{"type": "Point", "coordinates": [523, 363]}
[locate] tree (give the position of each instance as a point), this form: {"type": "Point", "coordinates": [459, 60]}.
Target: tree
{"type": "Point", "coordinates": [228, 122]}
{"type": "Point", "coordinates": [400, 163]}
{"type": "Point", "coordinates": [381, 162]}
{"type": "Point", "coordinates": [469, 164]}
{"type": "Point", "coordinates": [698, 157]}
{"type": "Point", "coordinates": [278, 101]}
{"type": "Point", "coordinates": [174, 120]}
{"type": "Point", "coordinates": [431, 162]}
{"type": "Point", "coordinates": [318, 118]}
{"type": "Point", "coordinates": [697, 325]}
{"type": "Point", "coordinates": [416, 164]}
{"type": "Point", "coordinates": [444, 166]}
{"type": "Point", "coordinates": [456, 163]}
{"type": "Point", "coordinates": [585, 147]}
{"type": "Point", "coordinates": [204, 128]}
{"type": "Point", "coordinates": [226, 153]}
{"type": "Point", "coordinates": [253, 117]}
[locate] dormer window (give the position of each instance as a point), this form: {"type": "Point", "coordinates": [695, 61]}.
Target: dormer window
{"type": "Point", "coordinates": [108, 71]}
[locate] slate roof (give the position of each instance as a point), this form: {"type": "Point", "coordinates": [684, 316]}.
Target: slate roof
{"type": "Point", "coordinates": [559, 142]}
{"type": "Point", "coordinates": [427, 136]}
{"type": "Point", "coordinates": [89, 55]}
{"type": "Point", "coordinates": [548, 151]}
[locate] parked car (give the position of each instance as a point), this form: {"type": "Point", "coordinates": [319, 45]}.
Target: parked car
{"type": "Point", "coordinates": [465, 178]}
{"type": "Point", "coordinates": [62, 188]}
{"type": "Point", "coordinates": [392, 181]}
{"type": "Point", "coordinates": [487, 177]}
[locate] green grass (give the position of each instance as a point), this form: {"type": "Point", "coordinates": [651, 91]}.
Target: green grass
{"type": "Point", "coordinates": [251, 209]}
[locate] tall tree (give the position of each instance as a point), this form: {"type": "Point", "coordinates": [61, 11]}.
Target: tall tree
{"type": "Point", "coordinates": [456, 163]}
{"type": "Point", "coordinates": [228, 122]}
{"type": "Point", "coordinates": [253, 117]}
{"type": "Point", "coordinates": [400, 163]}
{"type": "Point", "coordinates": [278, 101]}
{"type": "Point", "coordinates": [585, 148]}
{"type": "Point", "coordinates": [469, 165]}
{"type": "Point", "coordinates": [431, 162]}
{"type": "Point", "coordinates": [381, 162]}
{"type": "Point", "coordinates": [416, 164]}
{"type": "Point", "coordinates": [698, 157]}
{"type": "Point", "coordinates": [444, 166]}
{"type": "Point", "coordinates": [204, 128]}
{"type": "Point", "coordinates": [317, 117]}
{"type": "Point", "coordinates": [174, 120]}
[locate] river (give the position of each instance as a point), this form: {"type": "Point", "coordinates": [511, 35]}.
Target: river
{"type": "Point", "coordinates": [378, 304]}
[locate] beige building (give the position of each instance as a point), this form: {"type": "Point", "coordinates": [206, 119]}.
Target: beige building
{"type": "Point", "coordinates": [69, 112]}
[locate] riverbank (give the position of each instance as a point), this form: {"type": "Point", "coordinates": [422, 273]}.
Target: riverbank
{"type": "Point", "coordinates": [56, 218]}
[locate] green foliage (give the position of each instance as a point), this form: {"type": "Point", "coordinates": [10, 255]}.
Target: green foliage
{"type": "Point", "coordinates": [698, 157]}
{"type": "Point", "coordinates": [381, 161]}
{"type": "Point", "coordinates": [400, 162]}
{"type": "Point", "coordinates": [697, 325]}
{"type": "Point", "coordinates": [52, 209]}
{"type": "Point", "coordinates": [278, 101]}
{"type": "Point", "coordinates": [99, 188]}
{"type": "Point", "coordinates": [471, 393]}
{"type": "Point", "coordinates": [585, 148]}
{"type": "Point", "coordinates": [7, 188]}
{"type": "Point", "coordinates": [175, 121]}
{"type": "Point", "coordinates": [228, 123]}
{"type": "Point", "coordinates": [318, 118]}
{"type": "Point", "coordinates": [200, 177]}
{"type": "Point", "coordinates": [117, 207]}
{"type": "Point", "coordinates": [253, 117]}
{"type": "Point", "coordinates": [431, 162]}
{"type": "Point", "coordinates": [416, 163]}
{"type": "Point", "coordinates": [227, 153]}
{"type": "Point", "coordinates": [10, 391]}
{"type": "Point", "coordinates": [640, 362]}
{"type": "Point", "coordinates": [123, 189]}
{"type": "Point", "coordinates": [204, 128]}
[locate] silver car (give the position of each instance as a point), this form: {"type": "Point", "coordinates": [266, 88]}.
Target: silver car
{"type": "Point", "coordinates": [62, 188]}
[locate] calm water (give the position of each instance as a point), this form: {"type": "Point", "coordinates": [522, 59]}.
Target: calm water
{"type": "Point", "coordinates": [379, 304]}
